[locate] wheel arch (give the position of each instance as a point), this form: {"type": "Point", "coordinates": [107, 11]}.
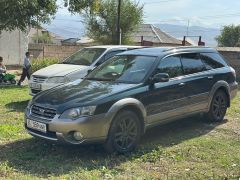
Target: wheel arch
{"type": "Point", "coordinates": [131, 104]}
{"type": "Point", "coordinates": [220, 85]}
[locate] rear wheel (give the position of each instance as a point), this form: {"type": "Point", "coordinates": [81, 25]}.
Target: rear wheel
{"type": "Point", "coordinates": [218, 107]}
{"type": "Point", "coordinates": [124, 133]}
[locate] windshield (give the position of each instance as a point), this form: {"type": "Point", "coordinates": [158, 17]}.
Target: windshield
{"type": "Point", "coordinates": [85, 56]}
{"type": "Point", "coordinates": [126, 69]}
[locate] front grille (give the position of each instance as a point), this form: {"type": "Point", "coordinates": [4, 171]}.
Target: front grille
{"type": "Point", "coordinates": [34, 91]}
{"type": "Point", "coordinates": [39, 79]}
{"type": "Point", "coordinates": [43, 112]}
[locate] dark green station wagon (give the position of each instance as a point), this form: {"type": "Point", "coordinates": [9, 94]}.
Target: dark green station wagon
{"type": "Point", "coordinates": [119, 100]}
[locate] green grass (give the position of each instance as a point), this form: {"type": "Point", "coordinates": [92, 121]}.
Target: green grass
{"type": "Point", "coordinates": [186, 149]}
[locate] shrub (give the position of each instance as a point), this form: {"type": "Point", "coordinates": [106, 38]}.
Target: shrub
{"type": "Point", "coordinates": [42, 63]}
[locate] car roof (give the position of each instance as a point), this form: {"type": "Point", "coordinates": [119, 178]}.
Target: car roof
{"type": "Point", "coordinates": [160, 51]}
{"type": "Point", "coordinates": [109, 47]}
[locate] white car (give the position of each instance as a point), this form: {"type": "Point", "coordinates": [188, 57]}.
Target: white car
{"type": "Point", "coordinates": [74, 67]}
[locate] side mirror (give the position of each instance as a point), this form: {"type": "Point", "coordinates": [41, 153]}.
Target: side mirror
{"type": "Point", "coordinates": [160, 77]}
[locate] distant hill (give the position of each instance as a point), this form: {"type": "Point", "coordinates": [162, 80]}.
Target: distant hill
{"type": "Point", "coordinates": [178, 31]}
{"type": "Point", "coordinates": [72, 27]}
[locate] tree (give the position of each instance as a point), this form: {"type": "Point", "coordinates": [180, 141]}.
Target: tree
{"type": "Point", "coordinates": [43, 38]}
{"type": "Point", "coordinates": [230, 36]}
{"type": "Point", "coordinates": [100, 18]}
{"type": "Point", "coordinates": [82, 6]}
{"type": "Point", "coordinates": [20, 14]}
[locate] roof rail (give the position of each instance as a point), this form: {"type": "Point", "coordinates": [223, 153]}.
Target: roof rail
{"type": "Point", "coordinates": [185, 47]}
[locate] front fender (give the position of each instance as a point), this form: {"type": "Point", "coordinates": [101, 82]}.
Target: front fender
{"type": "Point", "coordinates": [123, 103]}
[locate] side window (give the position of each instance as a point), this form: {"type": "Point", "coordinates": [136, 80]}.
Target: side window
{"type": "Point", "coordinates": [212, 60]}
{"type": "Point", "coordinates": [111, 54]}
{"type": "Point", "coordinates": [171, 65]}
{"type": "Point", "coordinates": [192, 63]}
{"type": "Point", "coordinates": [108, 55]}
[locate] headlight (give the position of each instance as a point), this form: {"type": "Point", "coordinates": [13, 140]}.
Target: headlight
{"type": "Point", "coordinates": [58, 80]}
{"type": "Point", "coordinates": [75, 113]}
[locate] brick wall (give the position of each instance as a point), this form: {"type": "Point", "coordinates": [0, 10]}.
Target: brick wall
{"type": "Point", "coordinates": [56, 51]}
{"type": "Point", "coordinates": [233, 57]}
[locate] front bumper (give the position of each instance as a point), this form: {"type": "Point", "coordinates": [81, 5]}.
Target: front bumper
{"type": "Point", "coordinates": [43, 86]}
{"type": "Point", "coordinates": [93, 129]}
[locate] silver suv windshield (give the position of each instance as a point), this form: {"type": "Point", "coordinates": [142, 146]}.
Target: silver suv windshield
{"type": "Point", "coordinates": [85, 56]}
{"type": "Point", "coordinates": [125, 69]}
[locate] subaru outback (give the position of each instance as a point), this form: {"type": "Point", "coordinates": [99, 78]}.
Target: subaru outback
{"type": "Point", "coordinates": [135, 90]}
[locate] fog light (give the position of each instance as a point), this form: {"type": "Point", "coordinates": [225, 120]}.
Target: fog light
{"type": "Point", "coordinates": [77, 136]}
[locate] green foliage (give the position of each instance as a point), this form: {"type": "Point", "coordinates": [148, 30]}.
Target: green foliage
{"type": "Point", "coordinates": [230, 36]}
{"type": "Point", "coordinates": [43, 38]}
{"type": "Point", "coordinates": [101, 19]}
{"type": "Point", "coordinates": [42, 63]}
{"type": "Point", "coordinates": [81, 6]}
{"type": "Point", "coordinates": [24, 13]}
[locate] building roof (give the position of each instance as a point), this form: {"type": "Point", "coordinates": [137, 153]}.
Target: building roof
{"type": "Point", "coordinates": [153, 34]}
{"type": "Point", "coordinates": [70, 40]}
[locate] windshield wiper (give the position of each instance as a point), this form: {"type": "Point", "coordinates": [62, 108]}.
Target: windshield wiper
{"type": "Point", "coordinates": [65, 62]}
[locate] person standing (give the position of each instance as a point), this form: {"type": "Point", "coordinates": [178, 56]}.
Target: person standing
{"type": "Point", "coordinates": [2, 68]}
{"type": "Point", "coordinates": [26, 69]}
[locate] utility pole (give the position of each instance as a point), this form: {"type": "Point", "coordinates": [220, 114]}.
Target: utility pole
{"type": "Point", "coordinates": [37, 30]}
{"type": "Point", "coordinates": [188, 27]}
{"type": "Point", "coordinates": [118, 23]}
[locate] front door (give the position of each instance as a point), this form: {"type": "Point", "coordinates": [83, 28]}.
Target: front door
{"type": "Point", "coordinates": [164, 99]}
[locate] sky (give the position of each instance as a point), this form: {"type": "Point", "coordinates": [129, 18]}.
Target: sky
{"type": "Point", "coordinates": [206, 13]}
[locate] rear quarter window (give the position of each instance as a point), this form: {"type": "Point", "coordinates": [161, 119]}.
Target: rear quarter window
{"type": "Point", "coordinates": [212, 60]}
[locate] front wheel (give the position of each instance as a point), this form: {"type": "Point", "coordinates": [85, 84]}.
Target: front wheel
{"type": "Point", "coordinates": [218, 107]}
{"type": "Point", "coordinates": [124, 133]}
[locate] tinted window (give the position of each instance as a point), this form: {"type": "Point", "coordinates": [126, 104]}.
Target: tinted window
{"type": "Point", "coordinates": [111, 54]}
{"type": "Point", "coordinates": [171, 65]}
{"type": "Point", "coordinates": [212, 60]}
{"type": "Point", "coordinates": [125, 69]}
{"type": "Point", "coordinates": [192, 63]}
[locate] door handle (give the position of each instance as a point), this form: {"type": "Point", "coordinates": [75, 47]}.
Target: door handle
{"type": "Point", "coordinates": [181, 84]}
{"type": "Point", "coordinates": [210, 77]}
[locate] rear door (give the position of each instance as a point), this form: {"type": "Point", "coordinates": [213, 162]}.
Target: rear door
{"type": "Point", "coordinates": [198, 81]}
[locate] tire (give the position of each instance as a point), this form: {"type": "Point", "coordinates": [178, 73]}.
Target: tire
{"type": "Point", "coordinates": [13, 81]}
{"type": "Point", "coordinates": [124, 133]}
{"type": "Point", "coordinates": [218, 107]}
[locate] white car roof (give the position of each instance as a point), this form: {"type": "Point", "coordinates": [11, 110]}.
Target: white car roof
{"type": "Point", "coordinates": [114, 46]}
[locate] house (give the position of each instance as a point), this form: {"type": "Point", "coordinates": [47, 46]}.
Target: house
{"type": "Point", "coordinates": [150, 35]}
{"type": "Point", "coordinates": [13, 46]}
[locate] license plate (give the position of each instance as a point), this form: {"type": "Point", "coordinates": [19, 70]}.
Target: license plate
{"type": "Point", "coordinates": [35, 86]}
{"type": "Point", "coordinates": [37, 125]}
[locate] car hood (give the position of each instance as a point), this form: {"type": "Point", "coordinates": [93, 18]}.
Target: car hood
{"type": "Point", "coordinates": [59, 70]}
{"type": "Point", "coordinates": [80, 92]}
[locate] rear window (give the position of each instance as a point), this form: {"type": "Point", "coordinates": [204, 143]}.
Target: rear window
{"type": "Point", "coordinates": [212, 60]}
{"type": "Point", "coordinates": [86, 56]}
{"type": "Point", "coordinates": [192, 63]}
